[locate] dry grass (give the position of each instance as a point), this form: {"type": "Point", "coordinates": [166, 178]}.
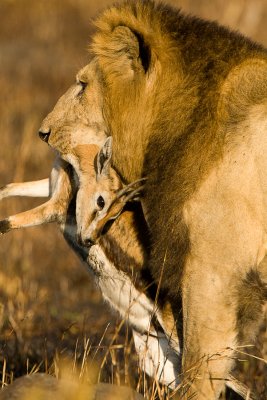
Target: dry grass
{"type": "Point", "coordinates": [48, 304]}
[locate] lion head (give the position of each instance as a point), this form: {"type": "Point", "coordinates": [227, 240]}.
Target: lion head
{"type": "Point", "coordinates": [77, 117]}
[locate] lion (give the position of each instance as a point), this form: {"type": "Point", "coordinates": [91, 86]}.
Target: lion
{"type": "Point", "coordinates": [185, 101]}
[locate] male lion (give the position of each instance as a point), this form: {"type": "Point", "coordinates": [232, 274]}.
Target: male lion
{"type": "Point", "coordinates": [186, 103]}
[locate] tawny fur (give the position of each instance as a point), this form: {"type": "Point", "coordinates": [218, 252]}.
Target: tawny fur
{"type": "Point", "coordinates": [185, 101]}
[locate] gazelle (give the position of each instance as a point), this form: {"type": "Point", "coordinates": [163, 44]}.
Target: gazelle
{"type": "Point", "coordinates": [116, 262]}
{"type": "Point", "coordinates": [118, 258]}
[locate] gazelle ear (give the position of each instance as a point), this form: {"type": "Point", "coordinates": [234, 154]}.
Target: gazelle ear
{"type": "Point", "coordinates": [104, 158]}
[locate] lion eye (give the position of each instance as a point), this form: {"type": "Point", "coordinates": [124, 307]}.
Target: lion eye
{"type": "Point", "coordinates": [100, 202]}
{"type": "Point", "coordinates": [83, 86]}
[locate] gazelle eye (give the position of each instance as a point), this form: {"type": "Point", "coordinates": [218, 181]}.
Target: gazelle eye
{"type": "Point", "coordinates": [100, 202]}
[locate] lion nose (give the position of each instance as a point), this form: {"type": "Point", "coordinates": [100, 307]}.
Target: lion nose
{"type": "Point", "coordinates": [44, 135]}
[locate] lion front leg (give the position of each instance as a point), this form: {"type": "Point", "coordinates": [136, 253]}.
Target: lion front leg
{"type": "Point", "coordinates": [209, 331]}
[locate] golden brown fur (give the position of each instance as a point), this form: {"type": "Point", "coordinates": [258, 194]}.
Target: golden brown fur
{"type": "Point", "coordinates": [196, 94]}
{"type": "Point", "coordinates": [186, 102]}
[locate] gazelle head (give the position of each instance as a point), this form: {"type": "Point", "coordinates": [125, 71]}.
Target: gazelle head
{"type": "Point", "coordinates": [101, 196]}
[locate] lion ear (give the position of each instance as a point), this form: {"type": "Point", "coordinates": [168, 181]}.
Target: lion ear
{"type": "Point", "coordinates": [123, 52]}
{"type": "Point", "coordinates": [104, 158]}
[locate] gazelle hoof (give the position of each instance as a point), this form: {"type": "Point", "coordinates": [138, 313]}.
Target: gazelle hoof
{"type": "Point", "coordinates": [5, 226]}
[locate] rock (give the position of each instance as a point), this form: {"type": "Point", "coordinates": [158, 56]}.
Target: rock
{"type": "Point", "coordinates": [46, 387]}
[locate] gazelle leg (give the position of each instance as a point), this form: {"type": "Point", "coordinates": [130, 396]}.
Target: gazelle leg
{"type": "Point", "coordinates": [47, 212]}
{"type": "Point", "coordinates": [54, 209]}
{"type": "Point", "coordinates": [39, 188]}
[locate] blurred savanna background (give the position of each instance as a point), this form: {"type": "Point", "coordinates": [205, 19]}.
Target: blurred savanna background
{"type": "Point", "coordinates": [49, 307]}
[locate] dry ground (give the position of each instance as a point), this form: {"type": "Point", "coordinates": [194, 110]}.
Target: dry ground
{"type": "Point", "coordinates": [49, 307]}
